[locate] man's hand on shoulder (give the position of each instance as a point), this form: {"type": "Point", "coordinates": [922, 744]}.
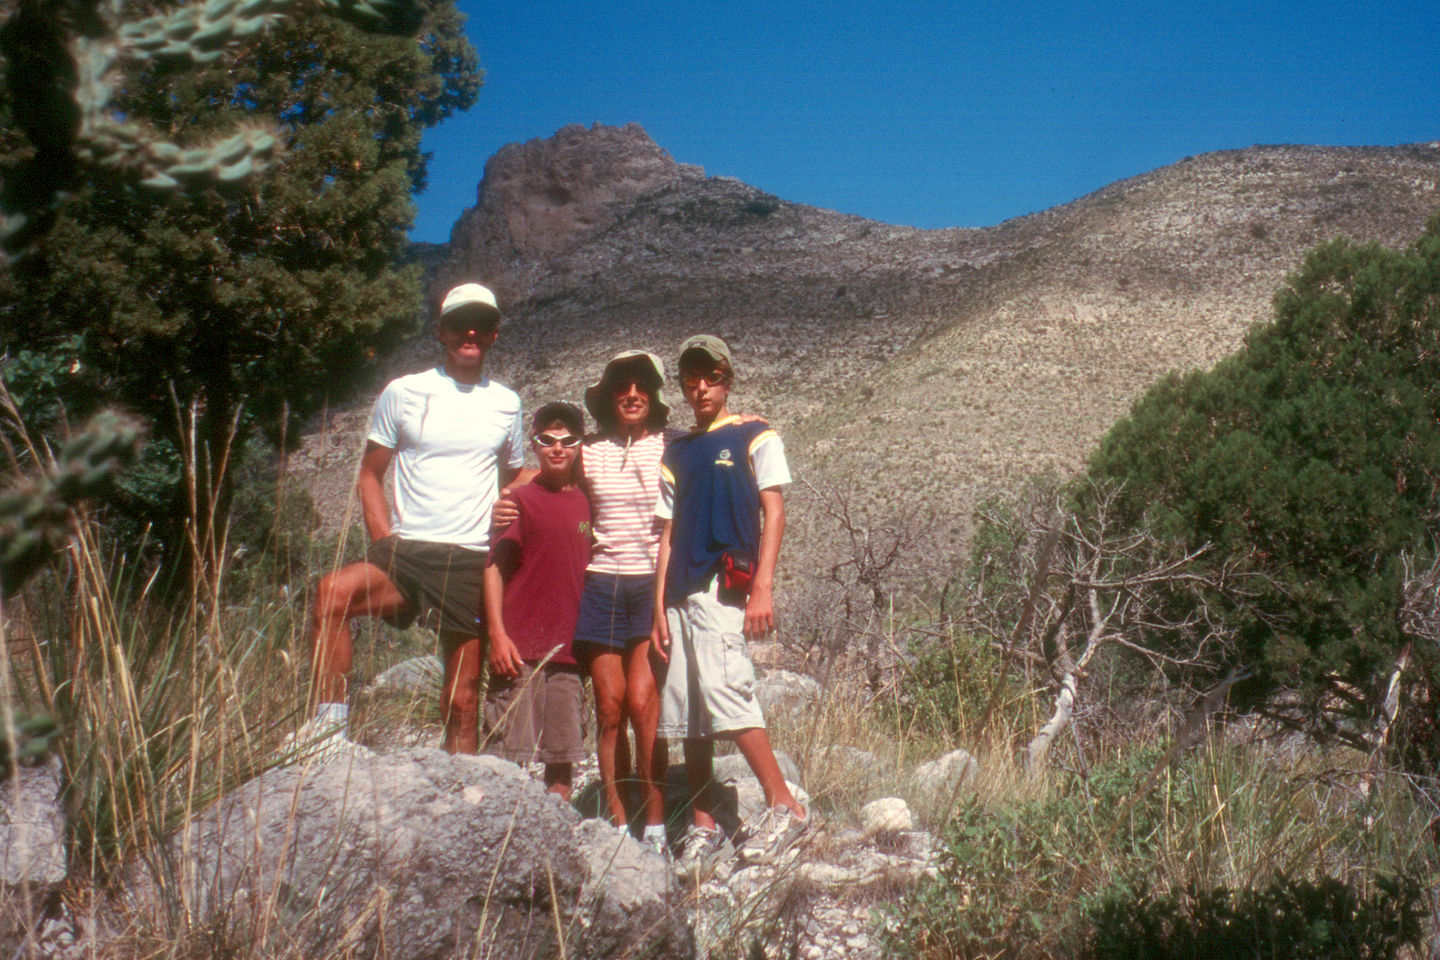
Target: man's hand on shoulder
{"type": "Point", "coordinates": [505, 512]}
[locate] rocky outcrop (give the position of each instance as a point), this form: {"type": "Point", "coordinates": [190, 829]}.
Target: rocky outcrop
{"type": "Point", "coordinates": [819, 900]}
{"type": "Point", "coordinates": [542, 199]}
{"type": "Point", "coordinates": [948, 774]}
{"type": "Point", "coordinates": [416, 855]}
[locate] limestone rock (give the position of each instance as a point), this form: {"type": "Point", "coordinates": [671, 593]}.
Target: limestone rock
{"type": "Point", "coordinates": [32, 827]}
{"type": "Point", "coordinates": [416, 675]}
{"type": "Point", "coordinates": [947, 774]}
{"type": "Point", "coordinates": [819, 900]}
{"type": "Point", "coordinates": [34, 919]}
{"type": "Point", "coordinates": [887, 816]}
{"type": "Point", "coordinates": [784, 691]}
{"type": "Point", "coordinates": [419, 855]}
{"type": "Point", "coordinates": [853, 760]}
{"type": "Point", "coordinates": [732, 768]}
{"type": "Point", "coordinates": [631, 893]}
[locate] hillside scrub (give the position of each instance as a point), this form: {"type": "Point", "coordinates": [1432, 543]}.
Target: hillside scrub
{"type": "Point", "coordinates": [1311, 459]}
{"type": "Point", "coordinates": [1098, 865]}
{"type": "Point", "coordinates": [163, 712]}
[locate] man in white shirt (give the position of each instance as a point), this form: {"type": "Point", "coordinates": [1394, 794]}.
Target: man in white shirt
{"type": "Point", "coordinates": [454, 437]}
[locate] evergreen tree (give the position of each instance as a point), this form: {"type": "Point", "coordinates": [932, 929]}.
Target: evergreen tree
{"type": "Point", "coordinates": [248, 309]}
{"type": "Point", "coordinates": [1314, 453]}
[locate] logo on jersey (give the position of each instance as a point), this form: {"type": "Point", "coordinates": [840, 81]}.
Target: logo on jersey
{"type": "Point", "coordinates": [723, 460]}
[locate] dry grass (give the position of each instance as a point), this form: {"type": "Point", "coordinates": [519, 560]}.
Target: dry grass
{"type": "Point", "coordinates": [1027, 855]}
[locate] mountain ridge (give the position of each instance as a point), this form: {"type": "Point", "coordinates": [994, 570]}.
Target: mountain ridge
{"type": "Point", "coordinates": [1018, 343]}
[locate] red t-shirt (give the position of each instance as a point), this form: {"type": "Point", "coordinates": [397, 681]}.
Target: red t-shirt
{"type": "Point", "coordinates": [544, 554]}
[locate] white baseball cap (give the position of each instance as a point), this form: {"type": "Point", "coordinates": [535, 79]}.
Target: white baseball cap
{"type": "Point", "coordinates": [470, 300]}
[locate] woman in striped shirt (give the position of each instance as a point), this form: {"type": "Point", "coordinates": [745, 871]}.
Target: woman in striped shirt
{"type": "Point", "coordinates": [621, 469]}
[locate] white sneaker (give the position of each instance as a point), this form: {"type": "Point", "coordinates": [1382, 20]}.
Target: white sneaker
{"type": "Point", "coordinates": [316, 742]}
{"type": "Point", "coordinates": [656, 843]}
{"type": "Point", "coordinates": [701, 851]}
{"type": "Point", "coordinates": [771, 834]}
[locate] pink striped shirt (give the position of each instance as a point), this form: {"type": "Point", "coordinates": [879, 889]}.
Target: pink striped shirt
{"type": "Point", "coordinates": [623, 482]}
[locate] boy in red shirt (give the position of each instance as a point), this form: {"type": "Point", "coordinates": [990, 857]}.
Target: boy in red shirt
{"type": "Point", "coordinates": [535, 698]}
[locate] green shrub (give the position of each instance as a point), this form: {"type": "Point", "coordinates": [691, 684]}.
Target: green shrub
{"type": "Point", "coordinates": [1008, 873]}
{"type": "Point", "coordinates": [1068, 868]}
{"type": "Point", "coordinates": [1310, 457]}
{"type": "Point", "coordinates": [1288, 919]}
{"type": "Point", "coordinates": [948, 679]}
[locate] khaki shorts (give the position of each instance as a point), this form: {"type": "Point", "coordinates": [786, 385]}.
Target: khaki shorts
{"type": "Point", "coordinates": [710, 684]}
{"type": "Point", "coordinates": [536, 717]}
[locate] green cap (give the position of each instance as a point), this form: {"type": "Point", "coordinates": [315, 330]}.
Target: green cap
{"type": "Point", "coordinates": [712, 347]}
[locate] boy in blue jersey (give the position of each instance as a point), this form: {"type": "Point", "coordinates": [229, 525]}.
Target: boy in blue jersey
{"type": "Point", "coordinates": [721, 500]}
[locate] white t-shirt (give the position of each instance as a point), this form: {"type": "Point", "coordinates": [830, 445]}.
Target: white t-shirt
{"type": "Point", "coordinates": [449, 440]}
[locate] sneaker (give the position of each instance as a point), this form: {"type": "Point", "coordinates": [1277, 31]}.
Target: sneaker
{"type": "Point", "coordinates": [771, 834]}
{"type": "Point", "coordinates": [316, 742]}
{"type": "Point", "coordinates": [656, 843]}
{"type": "Point", "coordinates": [701, 851]}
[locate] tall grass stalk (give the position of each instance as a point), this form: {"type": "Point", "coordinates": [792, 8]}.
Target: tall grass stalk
{"type": "Point", "coordinates": [163, 707]}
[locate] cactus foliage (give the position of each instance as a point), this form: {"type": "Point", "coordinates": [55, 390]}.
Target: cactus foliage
{"type": "Point", "coordinates": [62, 58]}
{"type": "Point", "coordinates": [27, 742]}
{"type": "Point", "coordinates": [34, 515]}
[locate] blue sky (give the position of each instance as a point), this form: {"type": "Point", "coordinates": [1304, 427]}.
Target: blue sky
{"type": "Point", "coordinates": [939, 114]}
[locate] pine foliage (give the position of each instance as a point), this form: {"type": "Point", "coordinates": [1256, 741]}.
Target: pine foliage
{"type": "Point", "coordinates": [1313, 452]}
{"type": "Point", "coordinates": [252, 307]}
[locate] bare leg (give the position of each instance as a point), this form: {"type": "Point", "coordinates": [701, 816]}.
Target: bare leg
{"type": "Point", "coordinates": [754, 744]}
{"type": "Point", "coordinates": [624, 769]}
{"type": "Point", "coordinates": [699, 775]}
{"type": "Point", "coordinates": [355, 590]}
{"type": "Point", "coordinates": [460, 693]}
{"type": "Point", "coordinates": [607, 673]}
{"type": "Point", "coordinates": [558, 779]}
{"type": "Point", "coordinates": [652, 754]}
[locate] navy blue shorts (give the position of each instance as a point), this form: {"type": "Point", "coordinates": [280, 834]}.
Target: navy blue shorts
{"type": "Point", "coordinates": [615, 609]}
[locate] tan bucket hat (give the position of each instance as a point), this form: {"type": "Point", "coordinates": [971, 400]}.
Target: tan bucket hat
{"type": "Point", "coordinates": [647, 369]}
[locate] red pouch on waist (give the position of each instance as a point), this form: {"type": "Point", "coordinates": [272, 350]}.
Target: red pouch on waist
{"type": "Point", "coordinates": [737, 568]}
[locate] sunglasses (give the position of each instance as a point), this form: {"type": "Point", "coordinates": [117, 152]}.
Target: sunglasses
{"type": "Point", "coordinates": [549, 440]}
{"type": "Point", "coordinates": [461, 329]}
{"type": "Point", "coordinates": [694, 378]}
{"type": "Point", "coordinates": [621, 387]}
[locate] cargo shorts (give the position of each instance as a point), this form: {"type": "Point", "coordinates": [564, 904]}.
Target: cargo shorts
{"type": "Point", "coordinates": [710, 685]}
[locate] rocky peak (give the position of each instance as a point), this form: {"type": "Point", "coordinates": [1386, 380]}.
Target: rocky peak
{"type": "Point", "coordinates": [543, 198]}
